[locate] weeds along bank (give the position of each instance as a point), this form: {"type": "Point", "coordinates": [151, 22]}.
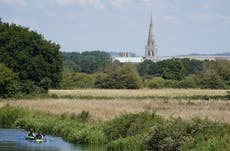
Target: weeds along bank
{"type": "Point", "coordinates": [128, 132]}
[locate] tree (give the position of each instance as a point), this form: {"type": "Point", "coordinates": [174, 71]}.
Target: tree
{"type": "Point", "coordinates": [223, 69]}
{"type": "Point", "coordinates": [175, 71]}
{"type": "Point", "coordinates": [124, 78]}
{"type": "Point", "coordinates": [8, 82]}
{"type": "Point", "coordinates": [27, 53]}
{"type": "Point", "coordinates": [212, 81]}
{"type": "Point", "coordinates": [86, 62]}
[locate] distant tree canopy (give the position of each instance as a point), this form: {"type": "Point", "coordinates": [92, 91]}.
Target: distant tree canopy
{"type": "Point", "coordinates": [125, 77]}
{"type": "Point", "coordinates": [175, 69]}
{"type": "Point", "coordinates": [86, 62]}
{"type": "Point", "coordinates": [36, 61]}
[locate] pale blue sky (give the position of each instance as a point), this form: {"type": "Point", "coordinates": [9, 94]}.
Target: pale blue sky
{"type": "Point", "coordinates": [181, 26]}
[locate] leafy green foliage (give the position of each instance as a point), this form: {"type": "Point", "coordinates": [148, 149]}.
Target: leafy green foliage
{"type": "Point", "coordinates": [86, 62]}
{"type": "Point", "coordinates": [173, 68]}
{"type": "Point", "coordinates": [35, 60]}
{"type": "Point", "coordinates": [74, 80]}
{"type": "Point", "coordinates": [131, 125]}
{"type": "Point", "coordinates": [130, 143]}
{"type": "Point", "coordinates": [180, 135]}
{"type": "Point", "coordinates": [8, 82]}
{"type": "Point", "coordinates": [124, 78]}
{"type": "Point", "coordinates": [212, 81]}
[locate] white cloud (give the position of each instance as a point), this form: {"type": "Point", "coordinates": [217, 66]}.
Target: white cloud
{"type": "Point", "coordinates": [94, 3]}
{"type": "Point", "coordinates": [14, 2]}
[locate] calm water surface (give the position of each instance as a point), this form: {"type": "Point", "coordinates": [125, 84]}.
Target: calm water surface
{"type": "Point", "coordinates": [14, 140]}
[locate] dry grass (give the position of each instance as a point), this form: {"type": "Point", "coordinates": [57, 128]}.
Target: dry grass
{"type": "Point", "coordinates": [217, 110]}
{"type": "Point", "coordinates": [139, 93]}
{"type": "Point", "coordinates": [108, 109]}
{"type": "Point", "coordinates": [2, 104]}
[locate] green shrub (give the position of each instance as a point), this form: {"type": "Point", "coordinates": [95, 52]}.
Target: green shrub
{"type": "Point", "coordinates": [156, 82]}
{"type": "Point", "coordinates": [73, 80]}
{"type": "Point", "coordinates": [130, 125]}
{"type": "Point", "coordinates": [131, 143]}
{"type": "Point", "coordinates": [195, 134]}
{"type": "Point", "coordinates": [8, 82]}
{"type": "Point", "coordinates": [188, 82]}
{"type": "Point", "coordinates": [167, 137]}
{"type": "Point", "coordinates": [8, 116]}
{"type": "Point", "coordinates": [123, 78]}
{"type": "Point", "coordinates": [212, 81]}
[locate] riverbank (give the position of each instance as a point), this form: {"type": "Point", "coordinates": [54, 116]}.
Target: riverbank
{"type": "Point", "coordinates": [128, 132]}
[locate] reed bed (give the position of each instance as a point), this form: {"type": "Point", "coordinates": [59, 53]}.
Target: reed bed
{"type": "Point", "coordinates": [215, 110]}
{"type": "Point", "coordinates": [138, 93]}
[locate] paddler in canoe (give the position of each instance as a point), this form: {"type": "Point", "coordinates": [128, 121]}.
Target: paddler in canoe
{"type": "Point", "coordinates": [30, 134]}
{"type": "Point", "coordinates": [39, 135]}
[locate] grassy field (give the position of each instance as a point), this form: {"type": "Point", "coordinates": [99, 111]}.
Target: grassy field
{"type": "Point", "coordinates": [115, 104]}
{"type": "Point", "coordinates": [139, 92]}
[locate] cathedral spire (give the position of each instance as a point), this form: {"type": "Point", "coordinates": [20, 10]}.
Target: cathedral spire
{"type": "Point", "coordinates": [151, 47]}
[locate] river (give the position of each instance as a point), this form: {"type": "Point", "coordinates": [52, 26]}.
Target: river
{"type": "Point", "coordinates": [14, 140]}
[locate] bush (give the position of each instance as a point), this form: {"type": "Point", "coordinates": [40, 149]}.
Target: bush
{"type": "Point", "coordinates": [8, 82]}
{"type": "Point", "coordinates": [167, 137]}
{"type": "Point", "coordinates": [195, 134]}
{"type": "Point", "coordinates": [156, 82]}
{"type": "Point", "coordinates": [9, 115]}
{"type": "Point", "coordinates": [132, 143]}
{"type": "Point", "coordinates": [72, 80]}
{"type": "Point", "coordinates": [188, 82]}
{"type": "Point", "coordinates": [130, 125]}
{"type": "Point", "coordinates": [212, 81]}
{"type": "Point", "coordinates": [124, 78]}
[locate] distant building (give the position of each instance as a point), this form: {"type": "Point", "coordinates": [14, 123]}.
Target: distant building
{"type": "Point", "coordinates": [134, 60]}
{"type": "Point", "coordinates": [151, 50]}
{"type": "Point", "coordinates": [124, 54]}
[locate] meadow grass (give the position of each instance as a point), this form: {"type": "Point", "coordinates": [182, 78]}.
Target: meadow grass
{"type": "Point", "coordinates": [216, 110]}
{"type": "Point", "coordinates": [107, 104]}
{"type": "Point", "coordinates": [139, 92]}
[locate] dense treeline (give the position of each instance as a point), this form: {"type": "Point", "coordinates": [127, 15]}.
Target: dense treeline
{"type": "Point", "coordinates": [86, 62]}
{"type": "Point", "coordinates": [171, 73]}
{"type": "Point", "coordinates": [186, 73]}
{"type": "Point", "coordinates": [32, 63]}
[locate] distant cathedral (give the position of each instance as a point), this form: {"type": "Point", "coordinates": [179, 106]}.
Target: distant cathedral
{"type": "Point", "coordinates": [151, 47]}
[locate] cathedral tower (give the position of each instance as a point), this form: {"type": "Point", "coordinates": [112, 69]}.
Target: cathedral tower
{"type": "Point", "coordinates": [151, 47]}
